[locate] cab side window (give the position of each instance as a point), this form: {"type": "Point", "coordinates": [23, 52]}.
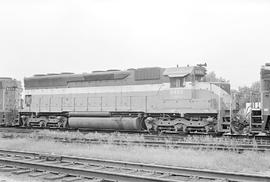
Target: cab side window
{"type": "Point", "coordinates": [266, 85]}
{"type": "Point", "coordinates": [28, 100]}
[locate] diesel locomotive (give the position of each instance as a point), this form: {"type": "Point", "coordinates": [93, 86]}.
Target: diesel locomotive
{"type": "Point", "coordinates": [10, 101]}
{"type": "Point", "coordinates": [260, 117]}
{"type": "Point", "coordinates": [176, 99]}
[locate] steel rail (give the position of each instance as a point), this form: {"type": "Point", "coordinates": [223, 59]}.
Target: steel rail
{"type": "Point", "coordinates": [235, 147]}
{"type": "Point", "coordinates": [161, 143]}
{"type": "Point", "coordinates": [170, 170]}
{"type": "Point", "coordinates": [164, 141]}
{"type": "Point", "coordinates": [243, 139]}
{"type": "Point", "coordinates": [91, 173]}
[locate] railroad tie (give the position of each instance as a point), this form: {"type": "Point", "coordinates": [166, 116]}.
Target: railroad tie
{"type": "Point", "coordinates": [51, 176]}
{"type": "Point", "coordinates": [8, 169]}
{"type": "Point", "coordinates": [72, 178]}
{"type": "Point", "coordinates": [22, 171]}
{"type": "Point", "coordinates": [38, 174]}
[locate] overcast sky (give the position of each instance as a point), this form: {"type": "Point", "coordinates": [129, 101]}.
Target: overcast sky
{"type": "Point", "coordinates": [52, 36]}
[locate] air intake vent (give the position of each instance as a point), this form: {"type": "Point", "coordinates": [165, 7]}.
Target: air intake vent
{"type": "Point", "coordinates": [39, 75]}
{"type": "Point", "coordinates": [52, 74]}
{"type": "Point", "coordinates": [113, 70]}
{"type": "Point", "coordinates": [147, 74]}
{"type": "Point", "coordinates": [67, 73]}
{"type": "Point", "coordinates": [98, 71]}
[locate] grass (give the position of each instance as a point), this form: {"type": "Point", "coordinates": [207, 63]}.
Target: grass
{"type": "Point", "coordinates": [140, 137]}
{"type": "Point", "coordinates": [251, 162]}
{"type": "Point", "coordinates": [99, 135]}
{"type": "Point", "coordinates": [122, 137]}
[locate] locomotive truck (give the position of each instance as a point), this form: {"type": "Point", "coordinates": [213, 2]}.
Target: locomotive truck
{"type": "Point", "coordinates": [176, 99]}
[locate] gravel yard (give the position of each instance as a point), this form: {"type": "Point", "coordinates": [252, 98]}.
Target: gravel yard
{"type": "Point", "coordinates": [251, 162]}
{"type": "Point", "coordinates": [8, 177]}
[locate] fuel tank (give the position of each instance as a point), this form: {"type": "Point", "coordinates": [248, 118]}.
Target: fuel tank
{"type": "Point", "coordinates": [111, 123]}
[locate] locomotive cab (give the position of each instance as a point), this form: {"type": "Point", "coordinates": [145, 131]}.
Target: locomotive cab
{"type": "Point", "coordinates": [179, 76]}
{"type": "Point", "coordinates": [265, 97]}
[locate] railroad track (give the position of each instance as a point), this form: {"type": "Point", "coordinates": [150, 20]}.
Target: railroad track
{"type": "Point", "coordinates": [67, 168]}
{"type": "Point", "coordinates": [244, 139]}
{"type": "Point", "coordinates": [152, 141]}
{"type": "Point", "coordinates": [166, 144]}
{"type": "Point", "coordinates": [203, 146]}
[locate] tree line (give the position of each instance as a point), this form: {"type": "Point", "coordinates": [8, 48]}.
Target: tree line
{"type": "Point", "coordinates": [242, 95]}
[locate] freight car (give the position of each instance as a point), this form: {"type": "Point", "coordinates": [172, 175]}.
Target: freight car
{"type": "Point", "coordinates": [160, 99]}
{"type": "Point", "coordinates": [10, 101]}
{"type": "Point", "coordinates": [260, 117]}
{"type": "Point", "coordinates": [256, 120]}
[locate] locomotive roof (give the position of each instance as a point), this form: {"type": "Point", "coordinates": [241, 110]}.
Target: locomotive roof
{"type": "Point", "coordinates": [178, 71]}
{"type": "Point", "coordinates": [265, 71]}
{"type": "Point", "coordinates": [167, 71]}
{"type": "Point", "coordinates": [142, 75]}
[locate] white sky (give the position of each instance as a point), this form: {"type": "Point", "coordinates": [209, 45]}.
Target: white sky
{"type": "Point", "coordinates": [52, 36]}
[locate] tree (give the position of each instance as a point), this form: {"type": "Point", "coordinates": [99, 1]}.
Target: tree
{"type": "Point", "coordinates": [248, 94]}
{"type": "Point", "coordinates": [242, 95]}
{"type": "Point", "coordinates": [212, 77]}
{"type": "Point", "coordinates": [256, 86]}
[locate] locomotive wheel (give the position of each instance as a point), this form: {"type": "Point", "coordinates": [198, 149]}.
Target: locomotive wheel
{"type": "Point", "coordinates": [210, 129]}
{"type": "Point", "coordinates": [25, 122]}
{"type": "Point", "coordinates": [42, 124]}
{"type": "Point", "coordinates": [62, 123]}
{"type": "Point", "coordinates": [59, 124]}
{"type": "Point", "coordinates": [180, 128]}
